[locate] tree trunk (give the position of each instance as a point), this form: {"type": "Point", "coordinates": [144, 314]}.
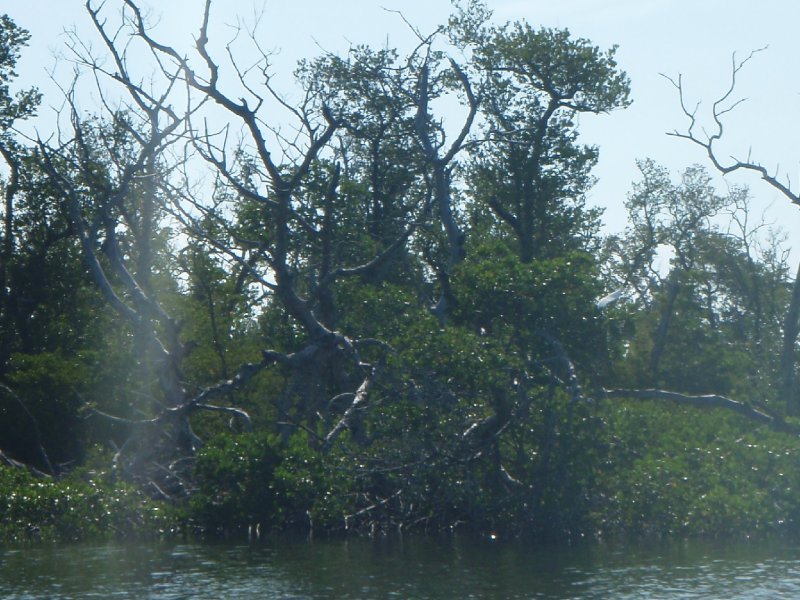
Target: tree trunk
{"type": "Point", "coordinates": [791, 329]}
{"type": "Point", "coordinates": [660, 341]}
{"type": "Point", "coordinates": [7, 250]}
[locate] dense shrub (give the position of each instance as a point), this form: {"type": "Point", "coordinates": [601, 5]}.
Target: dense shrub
{"type": "Point", "coordinates": [252, 479]}
{"type": "Point", "coordinates": [84, 505]}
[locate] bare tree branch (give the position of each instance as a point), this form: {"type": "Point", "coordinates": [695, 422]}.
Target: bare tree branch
{"type": "Point", "coordinates": [718, 111]}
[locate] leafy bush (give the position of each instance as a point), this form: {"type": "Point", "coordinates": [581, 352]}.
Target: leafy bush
{"type": "Point", "coordinates": [687, 472]}
{"type": "Point", "coordinates": [85, 505]}
{"type": "Point", "coordinates": [249, 479]}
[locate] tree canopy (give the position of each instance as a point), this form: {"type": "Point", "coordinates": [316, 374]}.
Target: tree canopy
{"type": "Point", "coordinates": [384, 309]}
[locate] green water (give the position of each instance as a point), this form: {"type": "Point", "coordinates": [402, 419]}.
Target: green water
{"type": "Point", "coordinates": [410, 567]}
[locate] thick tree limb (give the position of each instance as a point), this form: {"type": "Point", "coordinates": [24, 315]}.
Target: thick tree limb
{"type": "Point", "coordinates": [246, 372]}
{"type": "Point", "coordinates": [357, 405]}
{"type": "Point", "coordinates": [504, 214]}
{"type": "Point", "coordinates": [791, 330]}
{"type": "Point", "coordinates": [87, 241]}
{"type": "Point", "coordinates": [9, 192]}
{"type": "Point", "coordinates": [442, 169]}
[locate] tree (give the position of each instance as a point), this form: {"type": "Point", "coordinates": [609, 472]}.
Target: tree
{"type": "Point", "coordinates": [40, 323]}
{"type": "Point", "coordinates": [707, 286]}
{"type": "Point", "coordinates": [529, 168]}
{"type": "Point", "coordinates": [665, 219]}
{"type": "Point", "coordinates": [13, 108]}
{"type": "Point", "coordinates": [719, 109]}
{"type": "Point", "coordinates": [108, 175]}
{"type": "Point", "coordinates": [396, 153]}
{"type": "Point", "coordinates": [402, 301]}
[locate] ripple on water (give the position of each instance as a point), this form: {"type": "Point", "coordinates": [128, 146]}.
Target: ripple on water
{"type": "Point", "coordinates": [420, 568]}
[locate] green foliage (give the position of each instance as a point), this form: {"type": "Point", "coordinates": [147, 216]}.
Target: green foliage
{"type": "Point", "coordinates": [42, 408]}
{"type": "Point", "coordinates": [412, 325]}
{"type": "Point", "coordinates": [86, 505]}
{"type": "Point", "coordinates": [249, 479]}
{"type": "Point", "coordinates": [532, 173]}
{"type": "Point", "coordinates": [236, 482]}
{"type": "Point", "coordinates": [553, 61]}
{"type": "Point", "coordinates": [23, 104]}
{"type": "Point", "coordinates": [688, 472]}
{"type": "Point", "coordinates": [378, 311]}
{"type": "Point", "coordinates": [516, 302]}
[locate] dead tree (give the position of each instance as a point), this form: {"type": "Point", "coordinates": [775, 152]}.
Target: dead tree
{"type": "Point", "coordinates": [281, 166]}
{"type": "Point", "coordinates": [109, 187]}
{"type": "Point", "coordinates": [441, 165]}
{"type": "Point", "coordinates": [707, 140]}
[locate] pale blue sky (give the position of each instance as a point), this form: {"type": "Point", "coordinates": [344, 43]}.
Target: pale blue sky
{"type": "Point", "coordinates": [694, 37]}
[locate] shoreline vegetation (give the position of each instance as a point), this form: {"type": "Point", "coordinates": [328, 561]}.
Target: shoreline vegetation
{"type": "Point", "coordinates": [737, 484]}
{"type": "Point", "coordinates": [372, 314]}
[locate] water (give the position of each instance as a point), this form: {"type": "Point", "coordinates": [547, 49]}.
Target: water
{"type": "Point", "coordinates": [406, 568]}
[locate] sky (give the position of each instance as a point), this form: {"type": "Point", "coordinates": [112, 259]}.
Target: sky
{"type": "Point", "coordinates": [694, 38]}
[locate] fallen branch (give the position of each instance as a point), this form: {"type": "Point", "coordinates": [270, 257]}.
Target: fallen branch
{"type": "Point", "coordinates": [707, 401]}
{"type": "Point", "coordinates": [378, 504]}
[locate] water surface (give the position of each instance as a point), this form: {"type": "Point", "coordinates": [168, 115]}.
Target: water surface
{"type": "Point", "coordinates": [400, 567]}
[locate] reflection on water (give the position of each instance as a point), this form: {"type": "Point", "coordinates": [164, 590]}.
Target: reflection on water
{"type": "Point", "coordinates": [407, 568]}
